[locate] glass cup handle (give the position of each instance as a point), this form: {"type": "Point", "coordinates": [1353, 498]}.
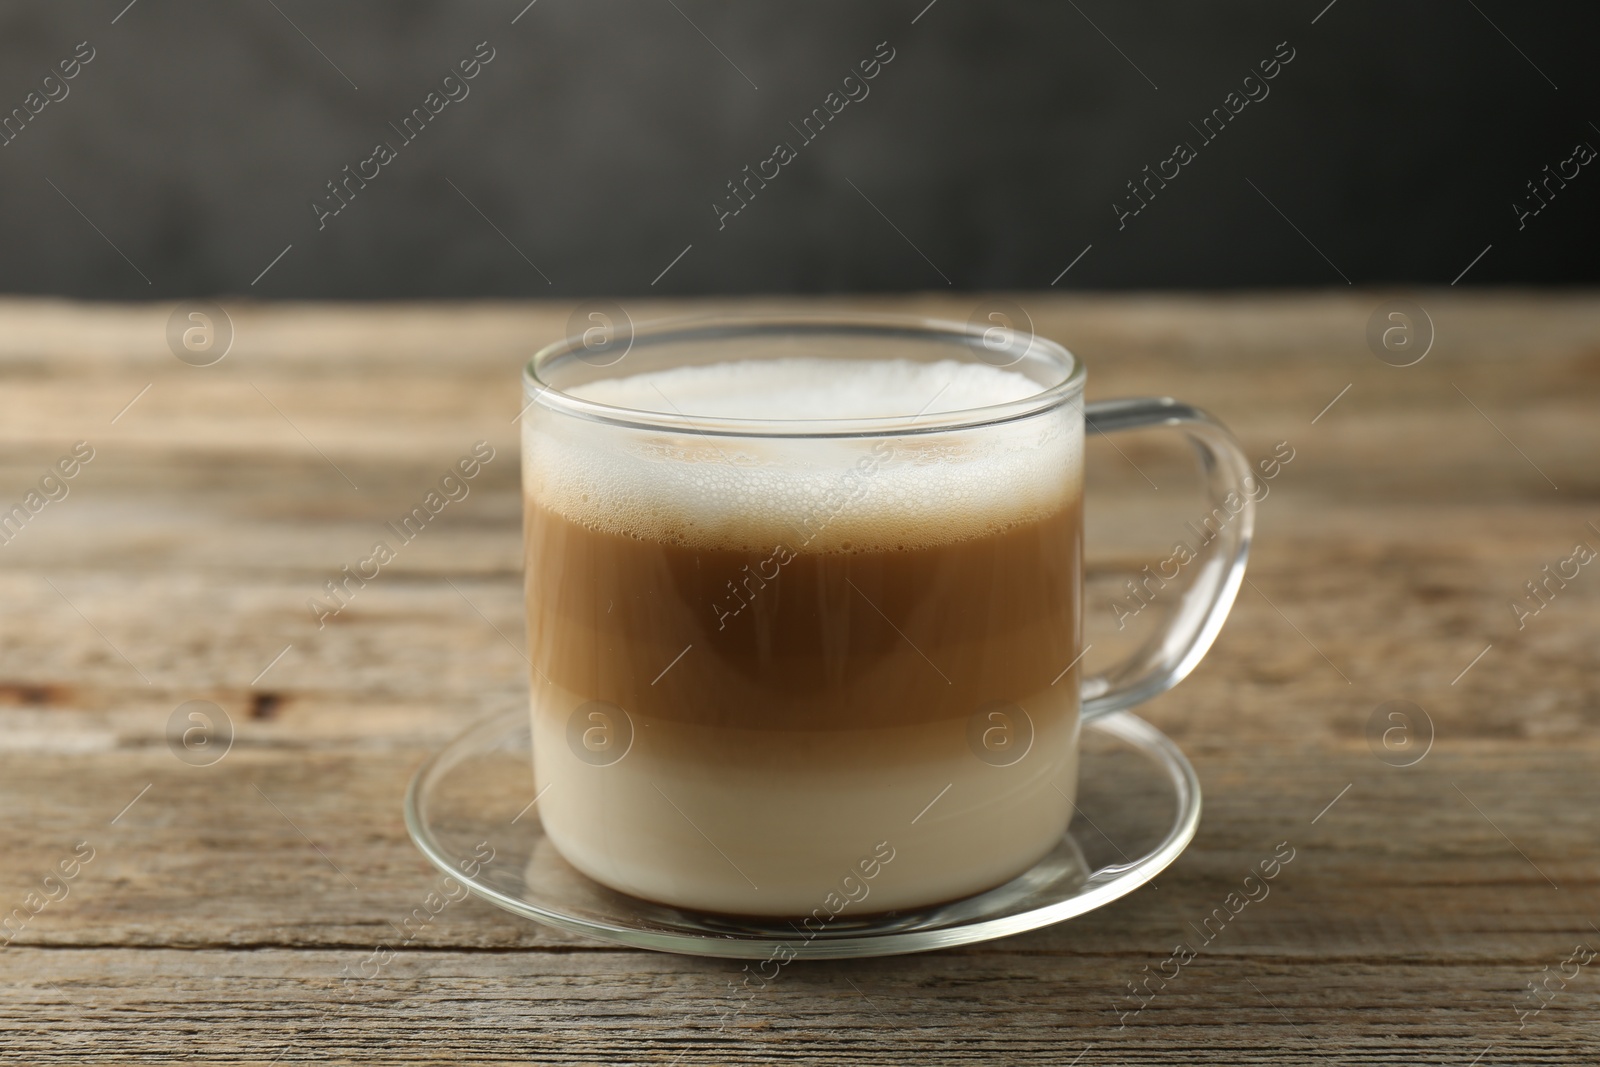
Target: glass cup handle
{"type": "Point", "coordinates": [1169, 655]}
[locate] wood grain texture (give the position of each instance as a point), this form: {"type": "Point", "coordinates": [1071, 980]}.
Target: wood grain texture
{"type": "Point", "coordinates": [221, 909]}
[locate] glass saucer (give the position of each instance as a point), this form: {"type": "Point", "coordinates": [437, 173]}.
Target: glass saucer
{"type": "Point", "coordinates": [1138, 808]}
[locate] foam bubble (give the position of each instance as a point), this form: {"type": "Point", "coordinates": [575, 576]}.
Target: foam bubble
{"type": "Point", "coordinates": [817, 495]}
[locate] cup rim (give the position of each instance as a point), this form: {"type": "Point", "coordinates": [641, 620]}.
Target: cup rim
{"type": "Point", "coordinates": [538, 390]}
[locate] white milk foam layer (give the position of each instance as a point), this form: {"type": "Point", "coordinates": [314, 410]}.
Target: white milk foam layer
{"type": "Point", "coordinates": [851, 495]}
{"type": "Point", "coordinates": [815, 389]}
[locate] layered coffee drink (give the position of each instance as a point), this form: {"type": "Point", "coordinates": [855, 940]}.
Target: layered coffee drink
{"type": "Point", "coordinates": [761, 660]}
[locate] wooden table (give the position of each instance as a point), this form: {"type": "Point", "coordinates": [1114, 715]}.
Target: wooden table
{"type": "Point", "coordinates": [222, 903]}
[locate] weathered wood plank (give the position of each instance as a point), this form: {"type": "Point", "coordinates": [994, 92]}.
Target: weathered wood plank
{"type": "Point", "coordinates": [586, 1007]}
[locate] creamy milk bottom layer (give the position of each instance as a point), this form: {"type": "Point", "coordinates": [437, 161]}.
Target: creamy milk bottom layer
{"type": "Point", "coordinates": [782, 823]}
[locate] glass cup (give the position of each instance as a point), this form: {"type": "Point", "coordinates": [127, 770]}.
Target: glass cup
{"type": "Point", "coordinates": [804, 605]}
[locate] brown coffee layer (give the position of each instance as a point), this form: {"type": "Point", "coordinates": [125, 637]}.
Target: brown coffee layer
{"type": "Point", "coordinates": [796, 640]}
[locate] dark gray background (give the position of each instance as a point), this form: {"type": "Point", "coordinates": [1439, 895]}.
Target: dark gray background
{"type": "Point", "coordinates": [603, 131]}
